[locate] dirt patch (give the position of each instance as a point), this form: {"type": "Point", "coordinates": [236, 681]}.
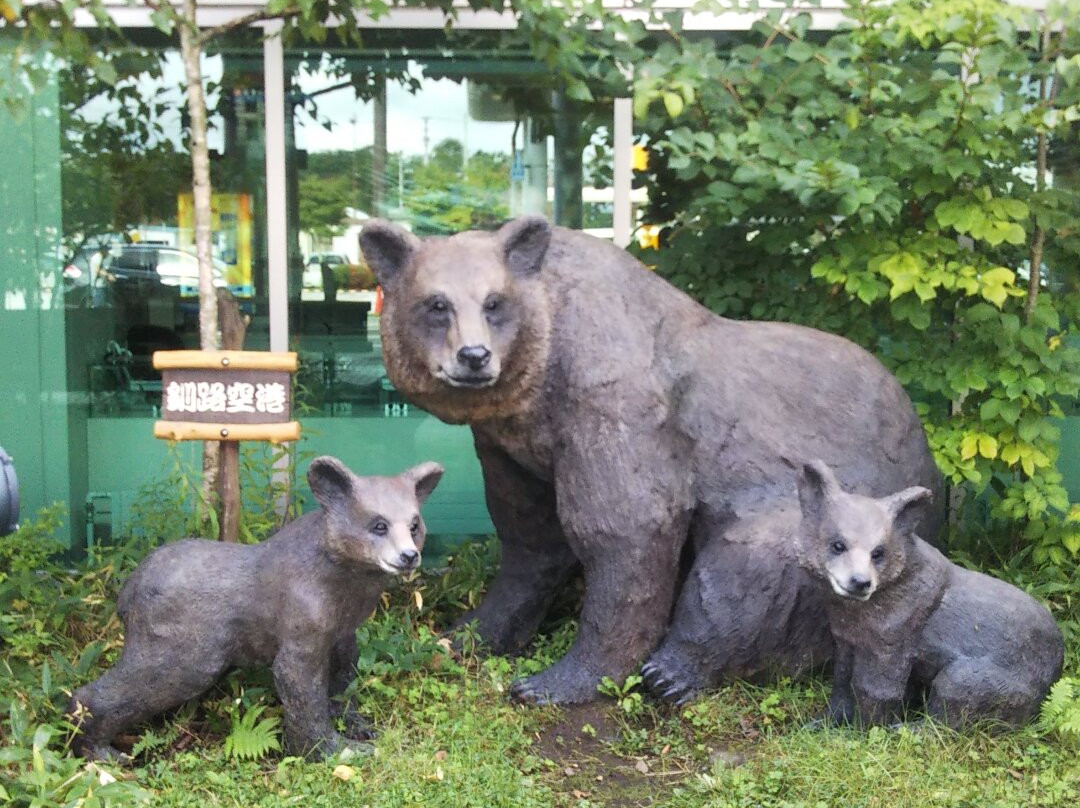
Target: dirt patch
{"type": "Point", "coordinates": [583, 767]}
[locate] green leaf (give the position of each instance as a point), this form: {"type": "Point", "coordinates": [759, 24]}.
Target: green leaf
{"type": "Point", "coordinates": [988, 447]}
{"type": "Point", "coordinates": [673, 103]}
{"type": "Point", "coordinates": [579, 91]}
{"type": "Point", "coordinates": [989, 409]}
{"type": "Point", "coordinates": [1071, 540]}
{"type": "Point", "coordinates": [800, 51]}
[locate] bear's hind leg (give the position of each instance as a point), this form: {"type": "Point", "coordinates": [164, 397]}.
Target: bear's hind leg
{"type": "Point", "coordinates": [746, 609]}
{"type": "Point", "coordinates": [130, 693]}
{"type": "Point", "coordinates": [972, 690]}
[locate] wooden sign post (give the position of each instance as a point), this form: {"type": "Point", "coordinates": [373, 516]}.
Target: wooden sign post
{"type": "Point", "coordinates": [227, 396]}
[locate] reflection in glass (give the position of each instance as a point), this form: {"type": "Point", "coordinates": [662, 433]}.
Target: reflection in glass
{"type": "Point", "coordinates": [130, 275]}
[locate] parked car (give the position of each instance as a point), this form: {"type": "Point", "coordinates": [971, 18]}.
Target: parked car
{"type": "Point", "coordinates": [150, 265]}
{"type": "Point", "coordinates": [312, 277]}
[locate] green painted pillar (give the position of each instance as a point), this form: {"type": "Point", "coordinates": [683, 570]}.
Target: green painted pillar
{"type": "Point", "coordinates": [34, 399]}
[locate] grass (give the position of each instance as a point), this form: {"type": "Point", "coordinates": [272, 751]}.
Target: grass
{"type": "Point", "coordinates": [449, 737]}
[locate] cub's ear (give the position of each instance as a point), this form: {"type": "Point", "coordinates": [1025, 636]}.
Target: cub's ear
{"type": "Point", "coordinates": [425, 477]}
{"type": "Point", "coordinates": [817, 484]}
{"type": "Point", "coordinates": [330, 481]}
{"type": "Point", "coordinates": [388, 249]}
{"type": "Point", "coordinates": [906, 508]}
{"type": "Point", "coordinates": [524, 242]}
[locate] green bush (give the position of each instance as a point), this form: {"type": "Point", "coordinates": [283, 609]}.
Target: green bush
{"type": "Point", "coordinates": [891, 183]}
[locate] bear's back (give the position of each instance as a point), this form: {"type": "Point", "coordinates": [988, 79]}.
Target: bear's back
{"type": "Point", "coordinates": [739, 390]}
{"type": "Point", "coordinates": [189, 573]}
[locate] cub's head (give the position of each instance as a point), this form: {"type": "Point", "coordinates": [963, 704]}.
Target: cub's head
{"type": "Point", "coordinates": [464, 321]}
{"type": "Point", "coordinates": [373, 521]}
{"type": "Point", "coordinates": [858, 544]}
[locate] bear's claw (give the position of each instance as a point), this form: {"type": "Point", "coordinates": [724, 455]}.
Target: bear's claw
{"type": "Point", "coordinates": [666, 687]}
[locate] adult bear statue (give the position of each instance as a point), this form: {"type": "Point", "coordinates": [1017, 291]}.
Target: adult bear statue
{"type": "Point", "coordinates": [614, 419]}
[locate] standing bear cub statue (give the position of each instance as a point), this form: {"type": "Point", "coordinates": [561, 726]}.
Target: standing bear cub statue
{"type": "Point", "coordinates": [196, 608]}
{"type": "Point", "coordinates": [908, 622]}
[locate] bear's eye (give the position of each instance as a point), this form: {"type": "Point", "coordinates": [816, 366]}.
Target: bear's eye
{"type": "Point", "coordinates": [838, 547]}
{"type": "Point", "coordinates": [414, 528]}
{"type": "Point", "coordinates": [493, 303]}
{"type": "Point", "coordinates": [438, 305]}
{"type": "Point", "coordinates": [877, 554]}
{"type": "Point", "coordinates": [380, 528]}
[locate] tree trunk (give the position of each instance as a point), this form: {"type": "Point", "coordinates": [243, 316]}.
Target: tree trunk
{"type": "Point", "coordinates": [191, 52]}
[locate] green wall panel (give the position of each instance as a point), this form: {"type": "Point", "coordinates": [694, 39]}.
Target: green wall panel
{"type": "Point", "coordinates": [124, 455]}
{"type": "Point", "coordinates": [34, 402]}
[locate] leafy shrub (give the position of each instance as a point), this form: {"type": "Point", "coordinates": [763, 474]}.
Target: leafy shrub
{"type": "Point", "coordinates": [890, 183]}
{"type": "Point", "coordinates": [354, 276]}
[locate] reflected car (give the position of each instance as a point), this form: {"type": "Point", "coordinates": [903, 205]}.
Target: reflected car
{"type": "Point", "coordinates": [149, 265]}
{"type": "Point", "coordinates": [312, 277]}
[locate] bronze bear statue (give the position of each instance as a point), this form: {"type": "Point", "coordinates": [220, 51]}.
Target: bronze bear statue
{"type": "Point", "coordinates": [622, 428]}
{"type": "Point", "coordinates": [906, 619]}
{"type": "Point", "coordinates": [196, 608]}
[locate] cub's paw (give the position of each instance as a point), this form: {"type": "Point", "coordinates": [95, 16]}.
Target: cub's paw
{"type": "Point", "coordinates": [559, 684]}
{"type": "Point", "coordinates": [356, 727]}
{"type": "Point", "coordinates": [669, 685]}
{"type": "Point", "coordinates": [104, 753]}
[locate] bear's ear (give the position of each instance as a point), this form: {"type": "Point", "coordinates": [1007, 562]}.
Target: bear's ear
{"type": "Point", "coordinates": [524, 242]}
{"type": "Point", "coordinates": [388, 249]}
{"type": "Point", "coordinates": [817, 484]}
{"type": "Point", "coordinates": [425, 477]}
{"type": "Point", "coordinates": [330, 481]}
{"type": "Point", "coordinates": [906, 508]}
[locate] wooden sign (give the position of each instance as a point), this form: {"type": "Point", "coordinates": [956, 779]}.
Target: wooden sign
{"type": "Point", "coordinates": [226, 395]}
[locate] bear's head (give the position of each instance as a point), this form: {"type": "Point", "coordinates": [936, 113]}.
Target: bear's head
{"type": "Point", "coordinates": [373, 521]}
{"type": "Point", "coordinates": [858, 544]}
{"type": "Point", "coordinates": [465, 323]}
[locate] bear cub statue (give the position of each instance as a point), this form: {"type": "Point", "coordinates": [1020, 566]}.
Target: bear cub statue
{"type": "Point", "coordinates": [196, 608]}
{"type": "Point", "coordinates": [907, 622]}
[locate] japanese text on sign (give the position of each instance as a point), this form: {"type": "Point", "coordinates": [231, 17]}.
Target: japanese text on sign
{"type": "Point", "coordinates": [236, 397]}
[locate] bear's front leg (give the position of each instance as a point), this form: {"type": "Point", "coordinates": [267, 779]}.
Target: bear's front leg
{"type": "Point", "coordinates": [301, 676]}
{"type": "Point", "coordinates": [342, 672]}
{"type": "Point", "coordinates": [879, 685]}
{"type": "Point", "coordinates": [536, 559]}
{"type": "Point", "coordinates": [625, 507]}
{"type": "Point", "coordinates": [841, 709]}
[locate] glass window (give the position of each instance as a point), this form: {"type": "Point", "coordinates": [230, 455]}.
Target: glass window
{"type": "Point", "coordinates": [130, 273]}
{"type": "Point", "coordinates": [437, 141]}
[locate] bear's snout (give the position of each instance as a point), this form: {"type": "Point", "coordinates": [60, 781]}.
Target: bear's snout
{"type": "Point", "coordinates": [474, 357]}
{"type": "Point", "coordinates": [859, 584]}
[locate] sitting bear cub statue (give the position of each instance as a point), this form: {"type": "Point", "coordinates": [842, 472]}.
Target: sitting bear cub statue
{"type": "Point", "coordinates": [905, 619]}
{"type": "Point", "coordinates": [196, 608]}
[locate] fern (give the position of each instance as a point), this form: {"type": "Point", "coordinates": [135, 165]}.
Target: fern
{"type": "Point", "coordinates": [1060, 712]}
{"type": "Point", "coordinates": [151, 741]}
{"type": "Point", "coordinates": [251, 737]}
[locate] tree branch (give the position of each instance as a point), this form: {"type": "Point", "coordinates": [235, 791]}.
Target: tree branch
{"type": "Point", "coordinates": [261, 15]}
{"type": "Point", "coordinates": [1038, 238]}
